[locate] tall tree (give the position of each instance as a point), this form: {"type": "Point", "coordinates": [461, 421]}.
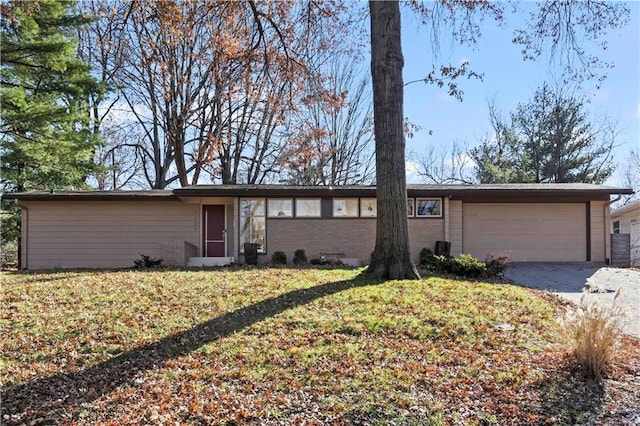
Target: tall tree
{"type": "Point", "coordinates": [46, 142]}
{"type": "Point", "coordinates": [445, 166]}
{"type": "Point", "coordinates": [45, 138]}
{"type": "Point", "coordinates": [330, 139]}
{"type": "Point", "coordinates": [550, 138]}
{"type": "Point", "coordinates": [391, 257]}
{"type": "Point", "coordinates": [631, 175]}
{"type": "Point", "coordinates": [555, 28]}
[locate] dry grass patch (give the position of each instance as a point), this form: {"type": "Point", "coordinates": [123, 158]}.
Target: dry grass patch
{"type": "Point", "coordinates": [595, 331]}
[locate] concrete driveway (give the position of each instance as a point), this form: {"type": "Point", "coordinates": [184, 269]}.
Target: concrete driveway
{"type": "Point", "coordinates": [568, 280]}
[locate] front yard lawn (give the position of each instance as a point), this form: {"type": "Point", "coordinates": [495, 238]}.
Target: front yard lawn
{"type": "Point", "coordinates": [289, 346]}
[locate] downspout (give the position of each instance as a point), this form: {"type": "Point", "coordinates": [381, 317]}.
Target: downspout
{"type": "Point", "coordinates": [607, 228]}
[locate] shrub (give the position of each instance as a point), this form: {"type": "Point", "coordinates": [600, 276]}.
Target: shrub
{"type": "Point", "coordinates": [496, 265]}
{"type": "Point", "coordinates": [466, 265]}
{"type": "Point", "coordinates": [279, 258]}
{"type": "Point", "coordinates": [299, 257]}
{"type": "Point", "coordinates": [594, 330]}
{"type": "Point", "coordinates": [147, 262]}
{"type": "Point", "coordinates": [426, 257]}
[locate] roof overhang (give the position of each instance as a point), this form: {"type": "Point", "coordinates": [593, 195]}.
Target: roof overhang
{"type": "Point", "coordinates": [148, 195]}
{"type": "Point", "coordinates": [468, 193]}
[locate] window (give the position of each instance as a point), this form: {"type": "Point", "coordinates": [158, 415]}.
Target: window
{"type": "Point", "coordinates": [368, 207]}
{"type": "Point", "coordinates": [428, 207]}
{"type": "Point", "coordinates": [345, 207]}
{"type": "Point", "coordinates": [616, 227]}
{"type": "Point", "coordinates": [280, 207]}
{"type": "Point", "coordinates": [306, 207]}
{"type": "Point", "coordinates": [410, 205]}
{"type": "Point", "coordinates": [252, 223]}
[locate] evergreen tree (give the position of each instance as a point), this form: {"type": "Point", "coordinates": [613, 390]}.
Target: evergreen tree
{"type": "Point", "coordinates": [550, 139]}
{"type": "Point", "coordinates": [45, 142]}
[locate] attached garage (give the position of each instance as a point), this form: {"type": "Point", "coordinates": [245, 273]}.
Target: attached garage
{"type": "Point", "coordinates": [530, 232]}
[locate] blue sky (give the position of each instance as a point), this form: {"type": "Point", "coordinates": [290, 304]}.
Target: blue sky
{"type": "Point", "coordinates": [510, 80]}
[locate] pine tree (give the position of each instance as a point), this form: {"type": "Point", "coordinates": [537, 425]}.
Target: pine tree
{"type": "Point", "coordinates": [45, 142]}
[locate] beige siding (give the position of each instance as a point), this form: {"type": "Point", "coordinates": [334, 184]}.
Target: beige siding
{"type": "Point", "coordinates": [627, 215]}
{"type": "Point", "coordinates": [455, 226]}
{"type": "Point", "coordinates": [599, 231]}
{"type": "Point", "coordinates": [352, 238]}
{"type": "Point", "coordinates": [83, 234]}
{"type": "Point", "coordinates": [526, 232]}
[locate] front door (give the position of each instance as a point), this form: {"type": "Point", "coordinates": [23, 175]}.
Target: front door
{"type": "Point", "coordinates": [214, 232]}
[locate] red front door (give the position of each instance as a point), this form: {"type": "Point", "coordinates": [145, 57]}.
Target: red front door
{"type": "Point", "coordinates": [214, 230]}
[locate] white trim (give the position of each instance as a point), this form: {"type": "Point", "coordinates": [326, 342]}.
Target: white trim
{"type": "Point", "coordinates": [417, 211]}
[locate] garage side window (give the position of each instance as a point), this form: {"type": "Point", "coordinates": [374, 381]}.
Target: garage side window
{"type": "Point", "coordinates": [428, 207]}
{"type": "Point", "coordinates": [616, 227]}
{"type": "Point", "coordinates": [252, 223]}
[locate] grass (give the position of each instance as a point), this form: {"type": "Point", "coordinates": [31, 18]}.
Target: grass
{"type": "Point", "coordinates": [595, 331]}
{"type": "Point", "coordinates": [280, 346]}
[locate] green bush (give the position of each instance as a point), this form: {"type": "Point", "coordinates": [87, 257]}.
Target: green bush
{"type": "Point", "coordinates": [426, 257]}
{"type": "Point", "coordinates": [279, 258]}
{"type": "Point", "coordinates": [299, 257]}
{"type": "Point", "coordinates": [147, 262]}
{"type": "Point", "coordinates": [466, 265]}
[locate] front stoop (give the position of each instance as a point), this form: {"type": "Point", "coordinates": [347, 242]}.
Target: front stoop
{"type": "Point", "coordinates": [209, 261]}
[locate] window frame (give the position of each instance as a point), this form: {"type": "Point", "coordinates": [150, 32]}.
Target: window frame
{"type": "Point", "coordinates": [417, 208]}
{"type": "Point", "coordinates": [363, 209]}
{"type": "Point", "coordinates": [296, 211]}
{"type": "Point", "coordinates": [263, 248]}
{"type": "Point", "coordinates": [616, 226]}
{"type": "Point", "coordinates": [277, 215]}
{"type": "Point", "coordinates": [411, 212]}
{"type": "Point", "coordinates": [348, 202]}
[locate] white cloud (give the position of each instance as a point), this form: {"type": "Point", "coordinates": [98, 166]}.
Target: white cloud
{"type": "Point", "coordinates": [411, 169]}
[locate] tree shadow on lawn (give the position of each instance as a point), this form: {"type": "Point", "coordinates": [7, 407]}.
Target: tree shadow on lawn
{"type": "Point", "coordinates": [568, 397]}
{"type": "Point", "coordinates": [46, 398]}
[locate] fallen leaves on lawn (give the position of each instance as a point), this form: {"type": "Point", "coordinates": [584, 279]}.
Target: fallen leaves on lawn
{"type": "Point", "coordinates": [291, 346]}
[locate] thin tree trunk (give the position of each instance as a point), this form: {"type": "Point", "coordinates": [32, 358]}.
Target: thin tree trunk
{"type": "Point", "coordinates": [391, 258]}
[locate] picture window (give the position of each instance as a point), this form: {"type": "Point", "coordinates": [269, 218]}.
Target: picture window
{"type": "Point", "coordinates": [428, 207]}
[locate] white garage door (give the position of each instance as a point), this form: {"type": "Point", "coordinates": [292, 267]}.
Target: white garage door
{"type": "Point", "coordinates": [525, 232]}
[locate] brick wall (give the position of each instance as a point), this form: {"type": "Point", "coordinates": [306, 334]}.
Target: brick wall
{"type": "Point", "coordinates": [353, 238]}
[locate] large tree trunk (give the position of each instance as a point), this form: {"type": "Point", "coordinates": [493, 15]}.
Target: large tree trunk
{"type": "Point", "coordinates": [391, 258]}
